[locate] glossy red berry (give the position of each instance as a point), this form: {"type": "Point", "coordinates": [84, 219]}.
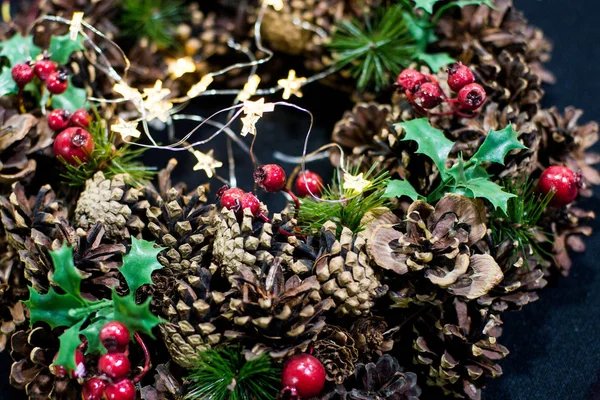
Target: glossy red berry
{"type": "Point", "coordinates": [58, 119]}
{"type": "Point", "coordinates": [81, 118]}
{"type": "Point", "coordinates": [114, 365]}
{"type": "Point", "coordinates": [79, 372]}
{"type": "Point", "coordinates": [115, 337]}
{"type": "Point", "coordinates": [309, 182]}
{"type": "Point", "coordinates": [459, 76]}
{"type": "Point", "coordinates": [22, 74]}
{"type": "Point", "coordinates": [410, 79]}
{"type": "Point", "coordinates": [250, 202]}
{"type": "Point", "coordinates": [74, 144]}
{"type": "Point", "coordinates": [93, 389]}
{"type": "Point", "coordinates": [471, 97]}
{"type": "Point", "coordinates": [563, 182]}
{"type": "Point", "coordinates": [270, 177]}
{"type": "Point", "coordinates": [122, 390]}
{"type": "Point", "coordinates": [428, 96]}
{"type": "Point", "coordinates": [57, 82]}
{"type": "Point", "coordinates": [304, 375]}
{"type": "Point", "coordinates": [231, 198]}
{"type": "Point", "coordinates": [44, 68]}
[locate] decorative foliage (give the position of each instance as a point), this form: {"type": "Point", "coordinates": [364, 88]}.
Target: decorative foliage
{"type": "Point", "coordinates": [61, 47]}
{"type": "Point", "coordinates": [154, 19]}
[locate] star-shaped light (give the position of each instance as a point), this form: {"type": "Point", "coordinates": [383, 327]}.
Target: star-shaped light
{"type": "Point", "coordinates": [75, 25]}
{"type": "Point", "coordinates": [357, 183]}
{"type": "Point", "coordinates": [156, 105]}
{"type": "Point", "coordinates": [249, 124]}
{"type": "Point", "coordinates": [206, 162]}
{"type": "Point", "coordinates": [181, 66]}
{"type": "Point", "coordinates": [126, 129]}
{"type": "Point", "coordinates": [250, 88]}
{"type": "Point", "coordinates": [200, 87]}
{"type": "Point", "coordinates": [291, 85]}
{"type": "Point", "coordinates": [276, 4]}
{"type": "Point", "coordinates": [257, 107]}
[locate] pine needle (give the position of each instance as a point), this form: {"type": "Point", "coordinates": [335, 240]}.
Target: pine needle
{"type": "Point", "coordinates": [154, 19]}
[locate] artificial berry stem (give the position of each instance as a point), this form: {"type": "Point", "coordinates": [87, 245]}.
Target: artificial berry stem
{"type": "Point", "coordinates": [294, 198]}
{"type": "Point", "coordinates": [20, 100]}
{"type": "Point", "coordinates": [139, 377]}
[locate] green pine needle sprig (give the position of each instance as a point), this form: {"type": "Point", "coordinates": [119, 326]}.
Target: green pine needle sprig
{"type": "Point", "coordinates": [154, 19]}
{"type": "Point", "coordinates": [225, 374]}
{"type": "Point", "coordinates": [314, 213]}
{"type": "Point", "coordinates": [375, 49]}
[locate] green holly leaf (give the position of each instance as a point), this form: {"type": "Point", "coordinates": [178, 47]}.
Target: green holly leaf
{"type": "Point", "coordinates": [72, 99]}
{"type": "Point", "coordinates": [139, 263]}
{"type": "Point", "coordinates": [19, 49]}
{"type": "Point", "coordinates": [476, 171]}
{"type": "Point", "coordinates": [7, 83]}
{"type": "Point", "coordinates": [61, 47]}
{"type": "Point", "coordinates": [431, 141]}
{"type": "Point", "coordinates": [497, 144]}
{"type": "Point", "coordinates": [436, 61]}
{"type": "Point", "coordinates": [65, 275]}
{"type": "Point", "coordinates": [137, 318]}
{"type": "Point", "coordinates": [399, 188]}
{"type": "Point", "coordinates": [92, 334]}
{"type": "Point", "coordinates": [52, 308]}
{"type": "Point", "coordinates": [457, 172]}
{"type": "Point", "coordinates": [484, 188]}
{"type": "Point", "coordinates": [69, 342]}
{"type": "Point", "coordinates": [426, 5]}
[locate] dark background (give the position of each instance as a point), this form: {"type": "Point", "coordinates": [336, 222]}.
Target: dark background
{"type": "Point", "coordinates": [554, 342]}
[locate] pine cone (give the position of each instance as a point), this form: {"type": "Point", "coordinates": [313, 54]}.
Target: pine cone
{"type": "Point", "coordinates": [457, 348]}
{"type": "Point", "coordinates": [335, 349]}
{"type": "Point", "coordinates": [567, 227]}
{"type": "Point", "coordinates": [435, 244]}
{"type": "Point", "coordinates": [285, 316]}
{"type": "Point", "coordinates": [369, 337]}
{"type": "Point", "coordinates": [165, 386]}
{"type": "Point", "coordinates": [13, 289]}
{"type": "Point", "coordinates": [344, 270]}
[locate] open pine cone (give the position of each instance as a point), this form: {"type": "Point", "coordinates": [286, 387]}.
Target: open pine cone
{"type": "Point", "coordinates": [336, 350]}
{"type": "Point", "coordinates": [13, 289]}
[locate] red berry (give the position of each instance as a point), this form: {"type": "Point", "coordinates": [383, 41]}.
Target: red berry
{"type": "Point", "coordinates": [409, 79]}
{"type": "Point", "coordinates": [115, 337]}
{"type": "Point", "coordinates": [74, 144]}
{"type": "Point", "coordinates": [471, 97]}
{"type": "Point", "coordinates": [307, 183]}
{"type": "Point", "coordinates": [57, 82]}
{"type": "Point", "coordinates": [270, 177]}
{"type": "Point", "coordinates": [428, 96]}
{"type": "Point", "coordinates": [114, 365]}
{"type": "Point", "coordinates": [58, 119]}
{"type": "Point", "coordinates": [123, 390]}
{"type": "Point", "coordinates": [43, 68]}
{"type": "Point", "coordinates": [303, 374]}
{"type": "Point", "coordinates": [231, 199]}
{"type": "Point", "coordinates": [564, 182]}
{"type": "Point", "coordinates": [79, 372]}
{"type": "Point", "coordinates": [459, 76]}
{"type": "Point", "coordinates": [93, 389]}
{"type": "Point", "coordinates": [81, 118]}
{"type": "Point", "coordinates": [22, 74]}
{"type": "Point", "coordinates": [250, 201]}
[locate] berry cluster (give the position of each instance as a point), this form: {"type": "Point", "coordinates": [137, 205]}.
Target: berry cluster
{"type": "Point", "coordinates": [55, 79]}
{"type": "Point", "coordinates": [62, 119]}
{"type": "Point", "coordinates": [424, 92]}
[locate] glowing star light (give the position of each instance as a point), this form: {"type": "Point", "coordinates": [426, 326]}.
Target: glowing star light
{"type": "Point", "coordinates": [291, 85]}
{"type": "Point", "coordinates": [156, 105]}
{"type": "Point", "coordinates": [249, 124]}
{"type": "Point", "coordinates": [75, 25]}
{"type": "Point", "coordinates": [206, 162]}
{"type": "Point", "coordinates": [130, 94]}
{"type": "Point", "coordinates": [357, 184]}
{"type": "Point", "coordinates": [126, 129]}
{"type": "Point", "coordinates": [250, 88]}
{"type": "Point", "coordinates": [181, 66]}
{"type": "Point", "coordinates": [201, 86]}
{"type": "Point", "coordinates": [276, 4]}
{"type": "Point", "coordinates": [253, 110]}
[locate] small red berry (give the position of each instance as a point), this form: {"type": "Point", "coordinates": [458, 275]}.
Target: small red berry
{"type": "Point", "coordinates": [114, 365]}
{"type": "Point", "coordinates": [250, 201]}
{"type": "Point", "coordinates": [428, 96]}
{"type": "Point", "coordinates": [57, 82]}
{"type": "Point", "coordinates": [563, 182]}
{"type": "Point", "coordinates": [459, 76]}
{"type": "Point", "coordinates": [304, 375]}
{"type": "Point", "coordinates": [79, 372]}
{"type": "Point", "coordinates": [410, 79]}
{"type": "Point", "coordinates": [270, 177]}
{"type": "Point", "coordinates": [58, 119]}
{"type": "Point", "coordinates": [115, 337]}
{"type": "Point", "coordinates": [231, 198]}
{"type": "Point", "coordinates": [93, 389]}
{"type": "Point", "coordinates": [74, 144]}
{"type": "Point", "coordinates": [43, 68]}
{"type": "Point", "coordinates": [81, 118]}
{"type": "Point", "coordinates": [22, 74]}
{"type": "Point", "coordinates": [123, 390]}
{"type": "Point", "coordinates": [471, 97]}
{"type": "Point", "coordinates": [309, 182]}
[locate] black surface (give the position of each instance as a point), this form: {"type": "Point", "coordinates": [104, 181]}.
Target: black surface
{"type": "Point", "coordinates": [553, 342]}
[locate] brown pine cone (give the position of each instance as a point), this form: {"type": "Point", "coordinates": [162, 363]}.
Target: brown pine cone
{"type": "Point", "coordinates": [369, 337]}
{"type": "Point", "coordinates": [336, 350]}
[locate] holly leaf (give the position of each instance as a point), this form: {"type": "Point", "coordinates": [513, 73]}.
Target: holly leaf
{"type": "Point", "coordinates": [431, 141]}
{"type": "Point", "coordinates": [61, 47]}
{"type": "Point", "coordinates": [65, 275]}
{"type": "Point", "coordinates": [476, 171]}
{"type": "Point", "coordinates": [7, 83]}
{"type": "Point", "coordinates": [137, 318]}
{"type": "Point", "coordinates": [457, 172]}
{"type": "Point", "coordinates": [435, 61]}
{"type": "Point", "coordinates": [52, 308]}
{"type": "Point", "coordinates": [497, 144]}
{"type": "Point", "coordinates": [19, 49]}
{"type": "Point", "coordinates": [69, 342]}
{"type": "Point", "coordinates": [72, 99]}
{"type": "Point", "coordinates": [139, 263]}
{"type": "Point", "coordinates": [399, 188]}
{"type": "Point", "coordinates": [481, 187]}
{"type": "Point", "coordinates": [426, 5]}
{"type": "Point", "coordinates": [92, 334]}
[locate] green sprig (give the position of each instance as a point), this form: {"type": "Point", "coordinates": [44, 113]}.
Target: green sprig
{"type": "Point", "coordinates": [154, 19]}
